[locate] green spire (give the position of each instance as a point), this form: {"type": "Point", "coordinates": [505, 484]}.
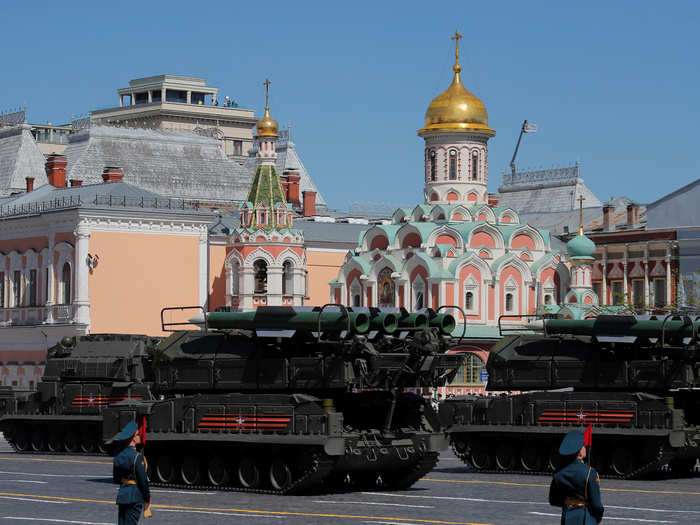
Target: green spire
{"type": "Point", "coordinates": [266, 189]}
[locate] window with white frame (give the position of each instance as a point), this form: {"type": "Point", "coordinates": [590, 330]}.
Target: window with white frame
{"type": "Point", "coordinates": [17, 288]}
{"type": "Point", "coordinates": [638, 292]}
{"type": "Point", "coordinates": [549, 292]}
{"type": "Point", "coordinates": [510, 298]}
{"type": "Point", "coordinates": [470, 372]}
{"type": "Point", "coordinates": [453, 165]}
{"type": "Point", "coordinates": [618, 296]}
{"type": "Point", "coordinates": [475, 165]}
{"type": "Point", "coordinates": [2, 289]}
{"type": "Point", "coordinates": [433, 166]}
{"type": "Point", "coordinates": [471, 294]}
{"type": "Point", "coordinates": [355, 293]}
{"type": "Point", "coordinates": [659, 292]}
{"type": "Point", "coordinates": [260, 272]}
{"type": "Point", "coordinates": [418, 293]}
{"type": "Point", "coordinates": [66, 274]}
{"type": "Point", "coordinates": [32, 287]}
{"type": "Point", "coordinates": [235, 277]}
{"type": "Point", "coordinates": [287, 278]}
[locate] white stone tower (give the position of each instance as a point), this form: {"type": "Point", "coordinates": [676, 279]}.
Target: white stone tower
{"type": "Point", "coordinates": [456, 154]}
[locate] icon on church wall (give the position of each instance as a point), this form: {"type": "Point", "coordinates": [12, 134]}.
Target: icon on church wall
{"type": "Point", "coordinates": [386, 288]}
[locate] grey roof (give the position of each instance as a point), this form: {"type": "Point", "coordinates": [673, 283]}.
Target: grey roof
{"type": "Point", "coordinates": [288, 159]}
{"type": "Point", "coordinates": [558, 221]}
{"type": "Point", "coordinates": [174, 164]}
{"type": "Point", "coordinates": [331, 232]}
{"type": "Point", "coordinates": [677, 209]}
{"type": "Point", "coordinates": [110, 195]}
{"type": "Point", "coordinates": [20, 157]}
{"type": "Point", "coordinates": [560, 196]}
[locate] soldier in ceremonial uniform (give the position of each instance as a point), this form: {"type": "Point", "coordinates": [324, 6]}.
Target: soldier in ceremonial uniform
{"type": "Point", "coordinates": [576, 487]}
{"type": "Point", "coordinates": [129, 471]}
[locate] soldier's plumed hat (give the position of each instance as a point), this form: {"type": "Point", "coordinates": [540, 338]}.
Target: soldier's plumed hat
{"type": "Point", "coordinates": [128, 431]}
{"type": "Point", "coordinates": [571, 443]}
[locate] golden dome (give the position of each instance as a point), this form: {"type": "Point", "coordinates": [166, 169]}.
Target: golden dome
{"type": "Point", "coordinates": [267, 126]}
{"type": "Point", "coordinates": [457, 109]}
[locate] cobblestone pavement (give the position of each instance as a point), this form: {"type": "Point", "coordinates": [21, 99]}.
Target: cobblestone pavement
{"type": "Point", "coordinates": [78, 489]}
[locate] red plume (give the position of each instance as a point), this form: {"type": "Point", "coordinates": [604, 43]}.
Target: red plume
{"type": "Point", "coordinates": [588, 436]}
{"type": "Point", "coordinates": [142, 431]}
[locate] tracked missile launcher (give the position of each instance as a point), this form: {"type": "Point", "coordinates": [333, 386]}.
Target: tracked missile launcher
{"type": "Point", "coordinates": [284, 400]}
{"type": "Point", "coordinates": [635, 380]}
{"type": "Point", "coordinates": [83, 375]}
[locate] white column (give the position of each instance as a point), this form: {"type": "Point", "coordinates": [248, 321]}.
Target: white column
{"type": "Point", "coordinates": [274, 285]}
{"type": "Point", "coordinates": [50, 280]}
{"type": "Point", "coordinates": [246, 288]}
{"type": "Point", "coordinates": [121, 101]}
{"type": "Point", "coordinates": [133, 98]}
{"type": "Point", "coordinates": [150, 96]}
{"type": "Point", "coordinates": [82, 274]}
{"type": "Point", "coordinates": [189, 97]}
{"type": "Point", "coordinates": [668, 274]}
{"type": "Point", "coordinates": [162, 95]}
{"type": "Point", "coordinates": [624, 275]}
{"type": "Point", "coordinates": [496, 300]}
{"type": "Point", "coordinates": [604, 299]}
{"type": "Point", "coordinates": [646, 275]}
{"type": "Point", "coordinates": [203, 277]}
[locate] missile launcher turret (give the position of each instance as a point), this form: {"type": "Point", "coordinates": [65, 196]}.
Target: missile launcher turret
{"type": "Point", "coordinates": [286, 399]}
{"type": "Point", "coordinates": [635, 380]}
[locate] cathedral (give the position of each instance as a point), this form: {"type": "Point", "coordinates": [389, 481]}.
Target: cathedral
{"type": "Point", "coordinates": [459, 247]}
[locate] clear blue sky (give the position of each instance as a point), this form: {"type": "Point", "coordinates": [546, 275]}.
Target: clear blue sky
{"type": "Point", "coordinates": [614, 84]}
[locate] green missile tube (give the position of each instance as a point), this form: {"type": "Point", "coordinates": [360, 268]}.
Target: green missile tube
{"type": "Point", "coordinates": [445, 322]}
{"type": "Point", "coordinates": [384, 322]}
{"type": "Point", "coordinates": [623, 327]}
{"type": "Point", "coordinates": [413, 321]}
{"type": "Point", "coordinates": [286, 318]}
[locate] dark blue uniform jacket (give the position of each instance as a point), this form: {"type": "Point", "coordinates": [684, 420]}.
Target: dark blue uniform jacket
{"type": "Point", "coordinates": [580, 482]}
{"type": "Point", "coordinates": [129, 465]}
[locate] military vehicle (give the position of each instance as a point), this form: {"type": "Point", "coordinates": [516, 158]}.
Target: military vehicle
{"type": "Point", "coordinates": [82, 376]}
{"type": "Point", "coordinates": [284, 400]}
{"type": "Point", "coordinates": [636, 381]}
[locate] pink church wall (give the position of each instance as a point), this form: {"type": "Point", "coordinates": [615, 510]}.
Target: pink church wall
{"type": "Point", "coordinates": [452, 196]}
{"type": "Point", "coordinates": [482, 239]}
{"type": "Point", "coordinates": [492, 307]}
{"type": "Point", "coordinates": [446, 239]}
{"type": "Point", "coordinates": [217, 276]}
{"type": "Point", "coordinates": [379, 242]}
{"type": "Point", "coordinates": [323, 267]}
{"type": "Point", "coordinates": [141, 273]}
{"type": "Point", "coordinates": [412, 240]}
{"type": "Point", "coordinates": [522, 241]}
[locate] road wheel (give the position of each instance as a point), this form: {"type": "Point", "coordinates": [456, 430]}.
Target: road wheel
{"type": "Point", "coordinates": [682, 466]}
{"type": "Point", "coordinates": [87, 442]}
{"type": "Point", "coordinates": [71, 442]}
{"type": "Point", "coordinates": [505, 457]}
{"type": "Point", "coordinates": [165, 469]}
{"type": "Point", "coordinates": [190, 471]}
{"type": "Point", "coordinates": [22, 440]}
{"type": "Point", "coordinates": [481, 457]}
{"type": "Point", "coordinates": [249, 474]}
{"type": "Point", "coordinates": [39, 439]}
{"type": "Point", "coordinates": [531, 458]}
{"type": "Point", "coordinates": [280, 475]}
{"type": "Point", "coordinates": [554, 459]}
{"type": "Point", "coordinates": [622, 463]}
{"type": "Point", "coordinates": [218, 472]}
{"type": "Point", "coordinates": [55, 441]}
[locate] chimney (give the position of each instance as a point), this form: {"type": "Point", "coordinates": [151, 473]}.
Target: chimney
{"type": "Point", "coordinates": [632, 214]}
{"type": "Point", "coordinates": [309, 204]}
{"type": "Point", "coordinates": [76, 182]}
{"type": "Point", "coordinates": [493, 199]}
{"type": "Point", "coordinates": [293, 179]}
{"type": "Point", "coordinates": [56, 170]}
{"type": "Point", "coordinates": [112, 174]}
{"type": "Point", "coordinates": [30, 183]}
{"type": "Point", "coordinates": [285, 186]}
{"type": "Point", "coordinates": [608, 217]}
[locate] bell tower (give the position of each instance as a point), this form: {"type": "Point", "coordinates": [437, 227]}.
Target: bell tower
{"type": "Point", "coordinates": [456, 132]}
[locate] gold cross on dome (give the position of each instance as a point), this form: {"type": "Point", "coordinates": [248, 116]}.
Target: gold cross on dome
{"type": "Point", "coordinates": [580, 214]}
{"type": "Point", "coordinates": [457, 37]}
{"type": "Point", "coordinates": [267, 90]}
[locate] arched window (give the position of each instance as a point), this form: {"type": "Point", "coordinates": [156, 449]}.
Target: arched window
{"type": "Point", "coordinates": [418, 293]}
{"type": "Point", "coordinates": [235, 277]}
{"type": "Point", "coordinates": [470, 373]}
{"type": "Point", "coordinates": [433, 166]}
{"type": "Point", "coordinates": [469, 301]}
{"type": "Point", "coordinates": [66, 284]}
{"type": "Point", "coordinates": [287, 278]}
{"type": "Point", "coordinates": [509, 303]}
{"type": "Point", "coordinates": [547, 299]}
{"type": "Point", "coordinates": [475, 165]}
{"type": "Point", "coordinates": [453, 165]}
{"type": "Point", "coordinates": [356, 293]}
{"type": "Point", "coordinates": [260, 269]}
